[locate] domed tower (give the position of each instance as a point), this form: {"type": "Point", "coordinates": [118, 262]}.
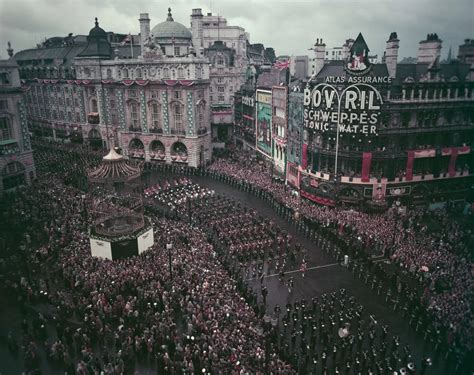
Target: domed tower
{"type": "Point", "coordinates": [119, 229]}
{"type": "Point", "coordinates": [174, 38]}
{"type": "Point", "coordinates": [98, 45]}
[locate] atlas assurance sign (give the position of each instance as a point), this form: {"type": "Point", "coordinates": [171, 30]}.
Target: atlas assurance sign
{"type": "Point", "coordinates": [352, 105]}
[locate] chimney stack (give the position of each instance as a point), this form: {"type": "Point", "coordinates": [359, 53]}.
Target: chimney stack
{"type": "Point", "coordinates": [196, 30]}
{"type": "Point", "coordinates": [430, 49]}
{"type": "Point", "coordinates": [391, 54]}
{"type": "Point", "coordinates": [320, 54]}
{"type": "Point", "coordinates": [144, 29]}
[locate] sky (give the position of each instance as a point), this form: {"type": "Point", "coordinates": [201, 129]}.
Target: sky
{"type": "Point", "coordinates": [289, 26]}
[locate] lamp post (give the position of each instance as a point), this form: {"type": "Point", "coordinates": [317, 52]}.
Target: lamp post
{"type": "Point", "coordinates": [169, 247]}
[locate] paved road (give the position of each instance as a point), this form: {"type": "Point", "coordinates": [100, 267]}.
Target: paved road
{"type": "Point", "coordinates": [325, 276]}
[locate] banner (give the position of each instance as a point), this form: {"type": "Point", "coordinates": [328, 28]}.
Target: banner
{"type": "Point", "coordinates": [452, 162]}
{"type": "Point", "coordinates": [431, 153]}
{"type": "Point", "coordinates": [304, 156]}
{"type": "Point", "coordinates": [366, 162]}
{"type": "Point", "coordinates": [410, 162]}
{"type": "Point", "coordinates": [264, 123]}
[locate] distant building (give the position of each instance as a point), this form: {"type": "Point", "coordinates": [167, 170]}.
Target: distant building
{"type": "Point", "coordinates": [16, 157]}
{"type": "Point", "coordinates": [299, 67]}
{"type": "Point", "coordinates": [466, 52]}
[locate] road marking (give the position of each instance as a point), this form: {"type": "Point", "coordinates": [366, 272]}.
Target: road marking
{"type": "Point", "coordinates": [295, 271]}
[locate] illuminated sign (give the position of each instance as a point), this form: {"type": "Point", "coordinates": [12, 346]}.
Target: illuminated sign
{"type": "Point", "coordinates": [354, 109]}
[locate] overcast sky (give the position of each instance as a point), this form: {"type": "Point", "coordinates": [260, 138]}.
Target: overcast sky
{"type": "Point", "coordinates": [289, 26]}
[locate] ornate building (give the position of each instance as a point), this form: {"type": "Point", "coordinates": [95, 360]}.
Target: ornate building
{"type": "Point", "coordinates": [16, 156]}
{"type": "Point", "coordinates": [154, 105]}
{"type": "Point", "coordinates": [382, 133]}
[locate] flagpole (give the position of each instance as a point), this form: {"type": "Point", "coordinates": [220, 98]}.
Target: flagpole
{"type": "Point", "coordinates": [131, 43]}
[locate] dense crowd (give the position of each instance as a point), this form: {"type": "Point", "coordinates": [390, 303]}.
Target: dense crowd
{"type": "Point", "coordinates": [439, 259]}
{"type": "Point", "coordinates": [328, 335]}
{"type": "Point", "coordinates": [115, 316]}
{"type": "Point", "coordinates": [194, 313]}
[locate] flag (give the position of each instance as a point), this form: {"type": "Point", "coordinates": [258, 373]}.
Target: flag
{"type": "Point", "coordinates": [282, 64]}
{"type": "Point", "coordinates": [126, 40]}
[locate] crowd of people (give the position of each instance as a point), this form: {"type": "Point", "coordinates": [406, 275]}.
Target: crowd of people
{"type": "Point", "coordinates": [328, 335]}
{"type": "Point", "coordinates": [186, 308]}
{"type": "Point", "coordinates": [116, 316]}
{"type": "Point", "coordinates": [439, 259]}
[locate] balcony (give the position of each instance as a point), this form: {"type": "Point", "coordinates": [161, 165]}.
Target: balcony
{"type": "Point", "coordinates": [9, 147]}
{"type": "Point", "coordinates": [136, 129]}
{"type": "Point", "coordinates": [93, 118]}
{"type": "Point", "coordinates": [178, 132]}
{"type": "Point", "coordinates": [156, 130]}
{"type": "Point", "coordinates": [202, 131]}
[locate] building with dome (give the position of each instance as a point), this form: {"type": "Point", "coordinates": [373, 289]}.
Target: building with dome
{"type": "Point", "coordinates": [150, 99]}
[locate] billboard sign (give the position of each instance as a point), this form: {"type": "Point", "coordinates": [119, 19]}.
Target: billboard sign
{"type": "Point", "coordinates": [264, 122]}
{"type": "Point", "coordinates": [355, 109]}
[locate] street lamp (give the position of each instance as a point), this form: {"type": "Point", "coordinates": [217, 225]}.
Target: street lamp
{"type": "Point", "coordinates": [169, 247]}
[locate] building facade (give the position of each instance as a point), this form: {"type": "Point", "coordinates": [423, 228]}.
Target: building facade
{"type": "Point", "coordinates": [225, 47]}
{"type": "Point", "coordinates": [154, 105]}
{"type": "Point", "coordinates": [16, 156]}
{"type": "Point", "coordinates": [383, 133]}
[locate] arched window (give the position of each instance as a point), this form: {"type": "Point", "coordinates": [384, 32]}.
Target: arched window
{"type": "Point", "coordinates": [178, 118]}
{"type": "Point", "coordinates": [87, 72]}
{"type": "Point", "coordinates": [200, 117]}
{"type": "Point", "coordinates": [6, 129]}
{"type": "Point", "coordinates": [94, 107]}
{"type": "Point", "coordinates": [166, 73]}
{"type": "Point", "coordinates": [220, 60]}
{"type": "Point", "coordinates": [154, 109]}
{"type": "Point", "coordinates": [109, 73]}
{"type": "Point", "coordinates": [139, 73]}
{"type": "Point", "coordinates": [125, 73]}
{"type": "Point", "coordinates": [180, 73]}
{"type": "Point", "coordinates": [134, 115]}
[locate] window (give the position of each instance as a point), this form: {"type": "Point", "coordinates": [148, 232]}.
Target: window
{"type": "Point", "coordinates": [109, 73]}
{"type": "Point", "coordinates": [176, 51]}
{"type": "Point", "coordinates": [3, 105]}
{"type": "Point", "coordinates": [155, 94]}
{"type": "Point", "coordinates": [200, 116]}
{"type": "Point", "coordinates": [180, 73]}
{"type": "Point", "coordinates": [87, 72]}
{"type": "Point", "coordinates": [166, 73]}
{"type": "Point", "coordinates": [155, 116]}
{"type": "Point", "coordinates": [178, 118]}
{"type": "Point", "coordinates": [112, 104]}
{"type": "Point", "coordinates": [69, 116]}
{"type": "Point", "coordinates": [177, 94]}
{"type": "Point", "coordinates": [220, 79]}
{"type": "Point", "coordinates": [221, 89]}
{"type": "Point", "coordinates": [134, 115]}
{"type": "Point", "coordinates": [200, 94]}
{"type": "Point", "coordinates": [220, 61]}
{"type": "Point", "coordinates": [76, 102]}
{"type": "Point", "coordinates": [61, 115]}
{"type": "Point", "coordinates": [78, 117]}
{"type": "Point", "coordinates": [55, 115]}
{"type": "Point", "coordinates": [114, 118]}
{"type": "Point", "coordinates": [125, 73]}
{"type": "Point", "coordinates": [6, 130]}
{"type": "Point", "coordinates": [4, 79]}
{"type": "Point", "coordinates": [220, 98]}
{"type": "Point", "coordinates": [132, 93]}
{"type": "Point", "coordinates": [94, 107]}
{"type": "Point", "coordinates": [139, 73]}
{"type": "Point", "coordinates": [220, 70]}
{"type": "Point", "coordinates": [68, 102]}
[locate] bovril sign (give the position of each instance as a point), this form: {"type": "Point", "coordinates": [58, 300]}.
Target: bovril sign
{"type": "Point", "coordinates": [354, 109]}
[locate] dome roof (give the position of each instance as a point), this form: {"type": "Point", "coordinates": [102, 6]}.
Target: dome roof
{"type": "Point", "coordinates": [170, 29]}
{"type": "Point", "coordinates": [97, 31]}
